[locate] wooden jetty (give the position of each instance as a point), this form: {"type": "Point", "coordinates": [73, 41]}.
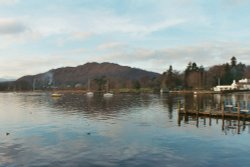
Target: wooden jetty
{"type": "Point", "coordinates": [218, 113]}
{"type": "Point", "coordinates": [238, 116]}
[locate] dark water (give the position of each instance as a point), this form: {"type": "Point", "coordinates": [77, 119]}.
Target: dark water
{"type": "Point", "coordinates": [125, 130]}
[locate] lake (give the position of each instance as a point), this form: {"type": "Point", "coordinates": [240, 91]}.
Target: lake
{"type": "Point", "coordinates": [124, 130]}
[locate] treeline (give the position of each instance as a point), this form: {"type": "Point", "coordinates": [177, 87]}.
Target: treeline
{"type": "Point", "coordinates": [193, 77]}
{"type": "Point", "coordinates": [196, 77]}
{"type": "Point", "coordinates": [96, 84]}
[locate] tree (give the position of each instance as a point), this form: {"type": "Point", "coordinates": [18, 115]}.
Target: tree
{"type": "Point", "coordinates": [194, 76]}
{"type": "Point", "coordinates": [226, 73]}
{"type": "Point", "coordinates": [233, 61]}
{"type": "Point", "coordinates": [170, 80]}
{"type": "Point", "coordinates": [136, 84]}
{"type": "Point", "coordinates": [100, 82]}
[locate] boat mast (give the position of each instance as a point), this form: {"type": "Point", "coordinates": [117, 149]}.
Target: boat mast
{"type": "Point", "coordinates": [107, 86]}
{"type": "Point", "coordinates": [34, 84]}
{"type": "Point", "coordinates": [88, 85]}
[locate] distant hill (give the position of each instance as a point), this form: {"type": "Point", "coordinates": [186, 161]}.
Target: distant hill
{"type": "Point", "coordinates": [2, 80]}
{"type": "Point", "coordinates": [5, 79]}
{"type": "Point", "coordinates": [72, 76]}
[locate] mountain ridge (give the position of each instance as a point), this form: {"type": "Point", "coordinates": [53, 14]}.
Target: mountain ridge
{"type": "Point", "coordinates": [80, 74]}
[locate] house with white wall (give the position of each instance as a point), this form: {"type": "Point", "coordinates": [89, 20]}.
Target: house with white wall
{"type": "Point", "coordinates": [243, 84]}
{"type": "Point", "coordinates": [220, 88]}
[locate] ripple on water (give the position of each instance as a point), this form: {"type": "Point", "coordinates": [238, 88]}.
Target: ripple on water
{"type": "Point", "coordinates": [126, 130]}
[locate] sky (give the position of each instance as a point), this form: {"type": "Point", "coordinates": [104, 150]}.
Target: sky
{"type": "Point", "coordinates": [39, 35]}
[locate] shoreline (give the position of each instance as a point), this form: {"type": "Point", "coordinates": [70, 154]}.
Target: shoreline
{"type": "Point", "coordinates": [132, 91]}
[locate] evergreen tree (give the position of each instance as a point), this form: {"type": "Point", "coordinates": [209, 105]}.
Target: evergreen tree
{"type": "Point", "coordinates": [233, 61]}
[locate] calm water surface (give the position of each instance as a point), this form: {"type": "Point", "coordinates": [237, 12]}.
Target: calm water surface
{"type": "Point", "coordinates": [125, 130]}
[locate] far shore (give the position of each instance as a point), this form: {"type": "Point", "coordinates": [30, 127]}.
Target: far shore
{"type": "Point", "coordinates": [119, 91]}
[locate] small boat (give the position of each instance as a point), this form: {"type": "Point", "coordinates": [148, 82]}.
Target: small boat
{"type": "Point", "coordinates": [89, 93]}
{"type": "Point", "coordinates": [108, 94]}
{"type": "Point", "coordinates": [164, 90]}
{"type": "Point", "coordinates": [56, 94]}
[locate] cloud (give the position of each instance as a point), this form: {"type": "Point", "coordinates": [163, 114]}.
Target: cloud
{"type": "Point", "coordinates": [158, 60]}
{"type": "Point", "coordinates": [9, 26]}
{"type": "Point", "coordinates": [80, 35]}
{"type": "Point", "coordinates": [31, 64]}
{"type": "Point", "coordinates": [72, 37]}
{"type": "Point", "coordinates": [91, 22]}
{"type": "Point", "coordinates": [233, 2]}
{"type": "Point", "coordinates": [108, 23]}
{"type": "Point", "coordinates": [13, 40]}
{"type": "Point", "coordinates": [111, 45]}
{"type": "Point", "coordinates": [8, 2]}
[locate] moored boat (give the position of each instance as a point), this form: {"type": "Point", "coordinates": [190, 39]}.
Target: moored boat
{"type": "Point", "coordinates": [56, 94]}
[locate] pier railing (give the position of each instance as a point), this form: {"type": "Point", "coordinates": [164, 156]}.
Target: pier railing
{"type": "Point", "coordinates": [225, 110]}
{"type": "Point", "coordinates": [238, 113]}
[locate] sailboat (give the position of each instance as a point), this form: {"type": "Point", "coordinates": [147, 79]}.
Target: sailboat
{"type": "Point", "coordinates": [108, 94]}
{"type": "Point", "coordinates": [89, 93]}
{"type": "Point", "coordinates": [55, 94]}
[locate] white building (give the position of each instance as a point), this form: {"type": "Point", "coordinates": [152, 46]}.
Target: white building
{"type": "Point", "coordinates": [244, 84]}
{"type": "Point", "coordinates": [220, 88]}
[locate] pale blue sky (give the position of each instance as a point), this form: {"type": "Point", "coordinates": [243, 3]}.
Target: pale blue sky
{"type": "Point", "coordinates": [38, 35]}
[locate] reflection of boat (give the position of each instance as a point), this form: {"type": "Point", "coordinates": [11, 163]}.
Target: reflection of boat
{"type": "Point", "coordinates": [164, 90]}
{"type": "Point", "coordinates": [233, 91]}
{"type": "Point", "coordinates": [56, 94]}
{"type": "Point", "coordinates": [89, 93]}
{"type": "Point", "coordinates": [107, 94]}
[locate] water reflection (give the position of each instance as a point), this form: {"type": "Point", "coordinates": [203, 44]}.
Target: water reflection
{"type": "Point", "coordinates": [99, 107]}
{"type": "Point", "coordinates": [126, 130]}
{"type": "Point", "coordinates": [213, 103]}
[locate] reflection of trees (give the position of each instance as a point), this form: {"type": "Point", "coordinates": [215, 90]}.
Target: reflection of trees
{"type": "Point", "coordinates": [199, 102]}
{"type": "Point", "coordinates": [213, 102]}
{"type": "Point", "coordinates": [170, 102]}
{"type": "Point", "coordinates": [99, 106]}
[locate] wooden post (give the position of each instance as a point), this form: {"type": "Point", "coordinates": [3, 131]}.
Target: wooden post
{"type": "Point", "coordinates": [223, 124]}
{"type": "Point", "coordinates": [222, 110]}
{"type": "Point", "coordinates": [197, 122]}
{"type": "Point", "coordinates": [179, 119]}
{"type": "Point", "coordinates": [210, 114]}
{"type": "Point", "coordinates": [184, 107]}
{"type": "Point", "coordinates": [238, 111]}
{"type": "Point", "coordinates": [179, 107]}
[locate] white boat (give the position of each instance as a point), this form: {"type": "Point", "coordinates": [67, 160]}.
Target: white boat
{"type": "Point", "coordinates": [164, 90]}
{"type": "Point", "coordinates": [89, 93]}
{"type": "Point", "coordinates": [56, 94]}
{"type": "Point", "coordinates": [108, 94]}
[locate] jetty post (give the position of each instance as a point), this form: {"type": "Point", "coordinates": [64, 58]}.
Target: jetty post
{"type": "Point", "coordinates": [210, 115]}
{"type": "Point", "coordinates": [179, 106]}
{"type": "Point", "coordinates": [179, 113]}
{"type": "Point", "coordinates": [238, 112]}
{"type": "Point", "coordinates": [222, 113]}
{"type": "Point", "coordinates": [222, 110]}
